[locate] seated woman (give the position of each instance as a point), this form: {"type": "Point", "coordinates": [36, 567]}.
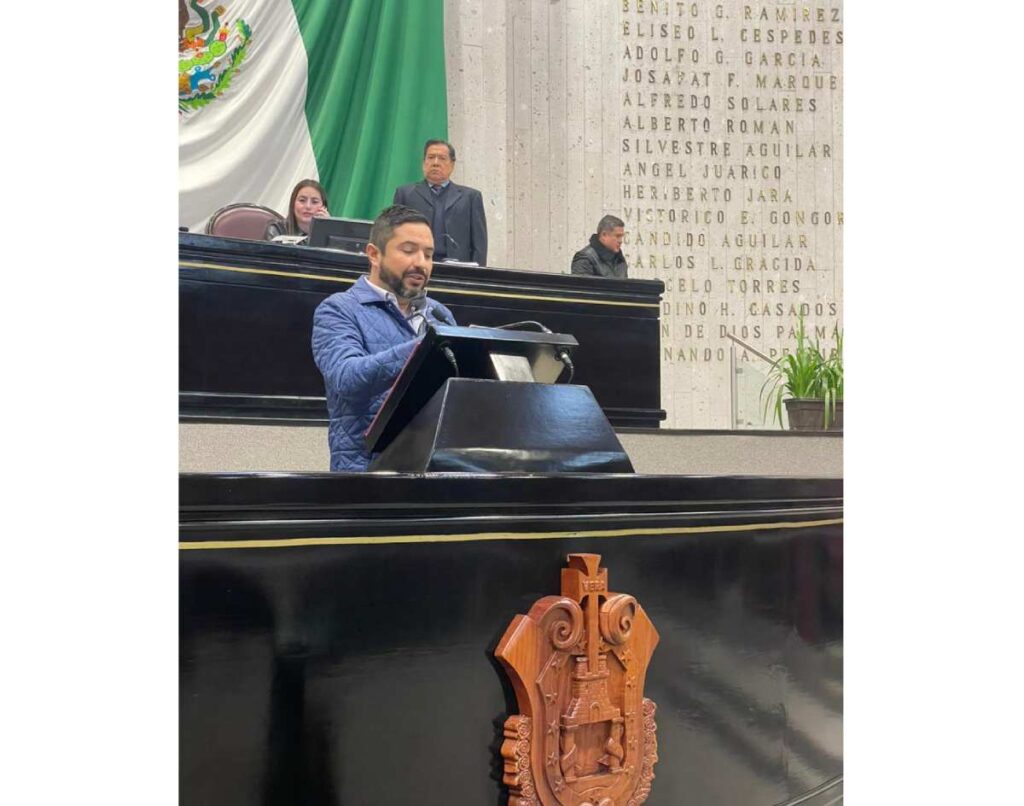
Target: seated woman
{"type": "Point", "coordinates": [308, 200]}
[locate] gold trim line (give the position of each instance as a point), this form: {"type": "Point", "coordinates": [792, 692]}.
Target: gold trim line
{"type": "Point", "coordinates": [191, 264]}
{"type": "Point", "coordinates": [485, 536]}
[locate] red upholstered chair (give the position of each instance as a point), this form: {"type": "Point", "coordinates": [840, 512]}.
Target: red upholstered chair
{"type": "Point", "coordinates": [242, 220]}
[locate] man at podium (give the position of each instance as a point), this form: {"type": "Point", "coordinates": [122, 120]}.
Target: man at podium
{"type": "Point", "coordinates": [363, 336]}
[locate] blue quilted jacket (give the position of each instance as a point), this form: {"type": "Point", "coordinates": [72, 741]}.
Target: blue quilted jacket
{"type": "Point", "coordinates": [360, 343]}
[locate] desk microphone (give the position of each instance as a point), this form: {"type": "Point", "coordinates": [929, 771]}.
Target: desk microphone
{"type": "Point", "coordinates": [442, 315]}
{"type": "Point", "coordinates": [445, 318]}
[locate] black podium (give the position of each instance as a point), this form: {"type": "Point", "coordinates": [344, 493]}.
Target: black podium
{"type": "Point", "coordinates": [485, 400]}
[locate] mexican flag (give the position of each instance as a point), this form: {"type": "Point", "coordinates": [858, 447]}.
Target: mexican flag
{"type": "Point", "coordinates": [274, 91]}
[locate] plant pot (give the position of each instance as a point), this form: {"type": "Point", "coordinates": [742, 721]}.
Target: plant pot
{"type": "Point", "coordinates": [805, 414]}
{"type": "Point", "coordinates": [808, 414]}
{"type": "Point", "coordinates": [837, 423]}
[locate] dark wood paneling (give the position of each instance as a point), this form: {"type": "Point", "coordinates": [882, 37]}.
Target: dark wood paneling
{"type": "Point", "coordinates": [246, 310]}
{"type": "Point", "coordinates": [350, 658]}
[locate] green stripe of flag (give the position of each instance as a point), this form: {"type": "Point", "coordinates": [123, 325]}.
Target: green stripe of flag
{"type": "Point", "coordinates": [376, 91]}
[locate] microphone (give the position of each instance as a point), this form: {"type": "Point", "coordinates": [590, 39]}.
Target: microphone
{"type": "Point", "coordinates": [449, 259]}
{"type": "Point", "coordinates": [442, 315]}
{"type": "Point", "coordinates": [450, 355]}
{"type": "Point", "coordinates": [563, 356]}
{"type": "Point", "coordinates": [445, 318]}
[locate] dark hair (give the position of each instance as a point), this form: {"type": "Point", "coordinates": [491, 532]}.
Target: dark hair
{"type": "Point", "coordinates": [429, 143]}
{"type": "Point", "coordinates": [389, 219]}
{"type": "Point", "coordinates": [608, 223]}
{"type": "Point", "coordinates": [291, 226]}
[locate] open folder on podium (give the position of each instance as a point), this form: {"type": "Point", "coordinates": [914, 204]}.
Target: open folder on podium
{"type": "Point", "coordinates": [485, 400]}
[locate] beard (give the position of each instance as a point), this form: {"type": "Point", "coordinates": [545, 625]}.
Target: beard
{"type": "Point", "coordinates": [396, 282]}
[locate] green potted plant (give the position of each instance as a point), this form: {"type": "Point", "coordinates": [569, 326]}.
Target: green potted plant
{"type": "Point", "coordinates": [832, 382]}
{"type": "Point", "coordinates": [809, 382]}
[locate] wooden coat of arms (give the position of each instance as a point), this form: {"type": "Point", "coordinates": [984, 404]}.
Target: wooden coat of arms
{"type": "Point", "coordinates": [585, 733]}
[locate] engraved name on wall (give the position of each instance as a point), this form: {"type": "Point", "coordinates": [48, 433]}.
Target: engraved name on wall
{"type": "Point", "coordinates": [731, 187]}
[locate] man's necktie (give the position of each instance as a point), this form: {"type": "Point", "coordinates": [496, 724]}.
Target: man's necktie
{"type": "Point", "coordinates": [437, 225]}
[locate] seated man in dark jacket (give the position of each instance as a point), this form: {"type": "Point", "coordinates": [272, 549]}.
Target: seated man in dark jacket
{"type": "Point", "coordinates": [363, 336]}
{"type": "Point", "coordinates": [603, 257]}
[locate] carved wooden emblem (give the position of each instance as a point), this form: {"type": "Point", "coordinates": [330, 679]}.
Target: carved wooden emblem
{"type": "Point", "coordinates": [585, 732]}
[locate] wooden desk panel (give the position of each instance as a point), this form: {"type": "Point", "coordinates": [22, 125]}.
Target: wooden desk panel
{"type": "Point", "coordinates": [246, 309]}
{"type": "Point", "coordinates": [338, 630]}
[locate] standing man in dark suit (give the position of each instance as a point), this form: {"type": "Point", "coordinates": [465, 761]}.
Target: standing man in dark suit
{"type": "Point", "coordinates": [455, 212]}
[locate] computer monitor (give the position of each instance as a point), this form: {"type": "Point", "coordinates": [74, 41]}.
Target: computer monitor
{"type": "Point", "coordinates": [349, 234]}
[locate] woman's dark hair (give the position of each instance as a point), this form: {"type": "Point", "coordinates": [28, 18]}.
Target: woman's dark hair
{"type": "Point", "coordinates": [291, 225]}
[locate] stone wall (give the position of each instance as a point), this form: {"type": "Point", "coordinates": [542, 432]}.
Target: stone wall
{"type": "Point", "coordinates": [230, 448]}
{"type": "Point", "coordinates": [713, 129]}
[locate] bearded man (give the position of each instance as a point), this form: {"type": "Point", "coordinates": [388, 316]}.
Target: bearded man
{"type": "Point", "coordinates": [363, 336]}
